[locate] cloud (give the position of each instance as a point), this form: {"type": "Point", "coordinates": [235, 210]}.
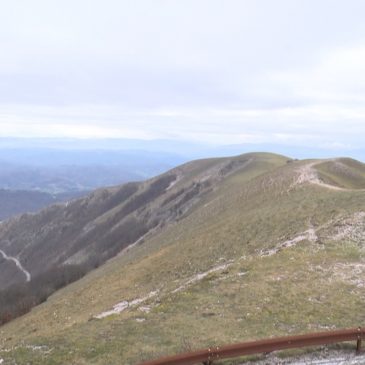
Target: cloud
{"type": "Point", "coordinates": [312, 126]}
{"type": "Point", "coordinates": [215, 71]}
{"type": "Point", "coordinates": [337, 77]}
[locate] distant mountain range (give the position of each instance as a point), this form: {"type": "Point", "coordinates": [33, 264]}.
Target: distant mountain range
{"type": "Point", "coordinates": [59, 171]}
{"type": "Point", "coordinates": [38, 172]}
{"type": "Point", "coordinates": [13, 202]}
{"type": "Point", "coordinates": [180, 149]}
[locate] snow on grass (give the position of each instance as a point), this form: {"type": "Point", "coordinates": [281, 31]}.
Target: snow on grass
{"type": "Point", "coordinates": [309, 235]}
{"type": "Point", "coordinates": [201, 276]}
{"type": "Point", "coordinates": [123, 305]}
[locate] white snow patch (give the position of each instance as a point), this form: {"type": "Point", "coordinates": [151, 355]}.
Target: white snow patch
{"type": "Point", "coordinates": [348, 273]}
{"type": "Point", "coordinates": [309, 235]}
{"type": "Point", "coordinates": [352, 228]}
{"type": "Point", "coordinates": [145, 309]}
{"type": "Point", "coordinates": [353, 273]}
{"type": "Point", "coordinates": [38, 348]}
{"type": "Point", "coordinates": [201, 276]}
{"type": "Point", "coordinates": [121, 306]}
{"type": "Point", "coordinates": [43, 348]}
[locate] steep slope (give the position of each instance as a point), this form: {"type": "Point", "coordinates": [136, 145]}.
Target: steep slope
{"type": "Point", "coordinates": [271, 249]}
{"type": "Point", "coordinates": [90, 230]}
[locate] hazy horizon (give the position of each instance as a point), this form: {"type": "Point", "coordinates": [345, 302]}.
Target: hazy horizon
{"type": "Point", "coordinates": [169, 150]}
{"type": "Point", "coordinates": [256, 75]}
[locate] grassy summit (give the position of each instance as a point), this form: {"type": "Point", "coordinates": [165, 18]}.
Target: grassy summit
{"type": "Point", "coordinates": [274, 247]}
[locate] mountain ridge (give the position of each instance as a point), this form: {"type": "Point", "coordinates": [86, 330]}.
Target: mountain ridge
{"type": "Point", "coordinates": [238, 264]}
{"type": "Point", "coordinates": [109, 210]}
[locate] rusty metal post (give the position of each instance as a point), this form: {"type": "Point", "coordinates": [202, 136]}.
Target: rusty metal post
{"type": "Point", "coordinates": [358, 346]}
{"type": "Point", "coordinates": [358, 342]}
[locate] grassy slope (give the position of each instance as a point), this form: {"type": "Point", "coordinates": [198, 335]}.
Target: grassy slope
{"type": "Point", "coordinates": [306, 287]}
{"type": "Point", "coordinates": [344, 173]}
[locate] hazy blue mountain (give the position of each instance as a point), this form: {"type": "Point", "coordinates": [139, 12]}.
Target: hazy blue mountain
{"type": "Point", "coordinates": [76, 168]}
{"type": "Point", "coordinates": [14, 202]}
{"type": "Point", "coordinates": [170, 150]}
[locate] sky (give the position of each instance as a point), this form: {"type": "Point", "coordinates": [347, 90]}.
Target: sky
{"type": "Point", "coordinates": [289, 73]}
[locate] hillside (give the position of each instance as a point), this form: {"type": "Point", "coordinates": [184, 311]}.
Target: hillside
{"type": "Point", "coordinates": [230, 249]}
{"type": "Point", "coordinates": [95, 228]}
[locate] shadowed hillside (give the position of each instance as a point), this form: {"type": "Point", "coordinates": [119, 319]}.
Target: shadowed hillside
{"type": "Point", "coordinates": [93, 229]}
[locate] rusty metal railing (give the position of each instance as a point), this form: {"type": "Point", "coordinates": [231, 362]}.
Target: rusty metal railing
{"type": "Point", "coordinates": [207, 356]}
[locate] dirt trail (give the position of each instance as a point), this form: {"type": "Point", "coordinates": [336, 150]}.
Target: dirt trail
{"type": "Point", "coordinates": [307, 174]}
{"type": "Point", "coordinates": [28, 277]}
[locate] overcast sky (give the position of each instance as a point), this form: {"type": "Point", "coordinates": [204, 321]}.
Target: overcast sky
{"type": "Point", "coordinates": [289, 72]}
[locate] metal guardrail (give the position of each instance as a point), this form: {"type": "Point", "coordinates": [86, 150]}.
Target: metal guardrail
{"type": "Point", "coordinates": [207, 356]}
